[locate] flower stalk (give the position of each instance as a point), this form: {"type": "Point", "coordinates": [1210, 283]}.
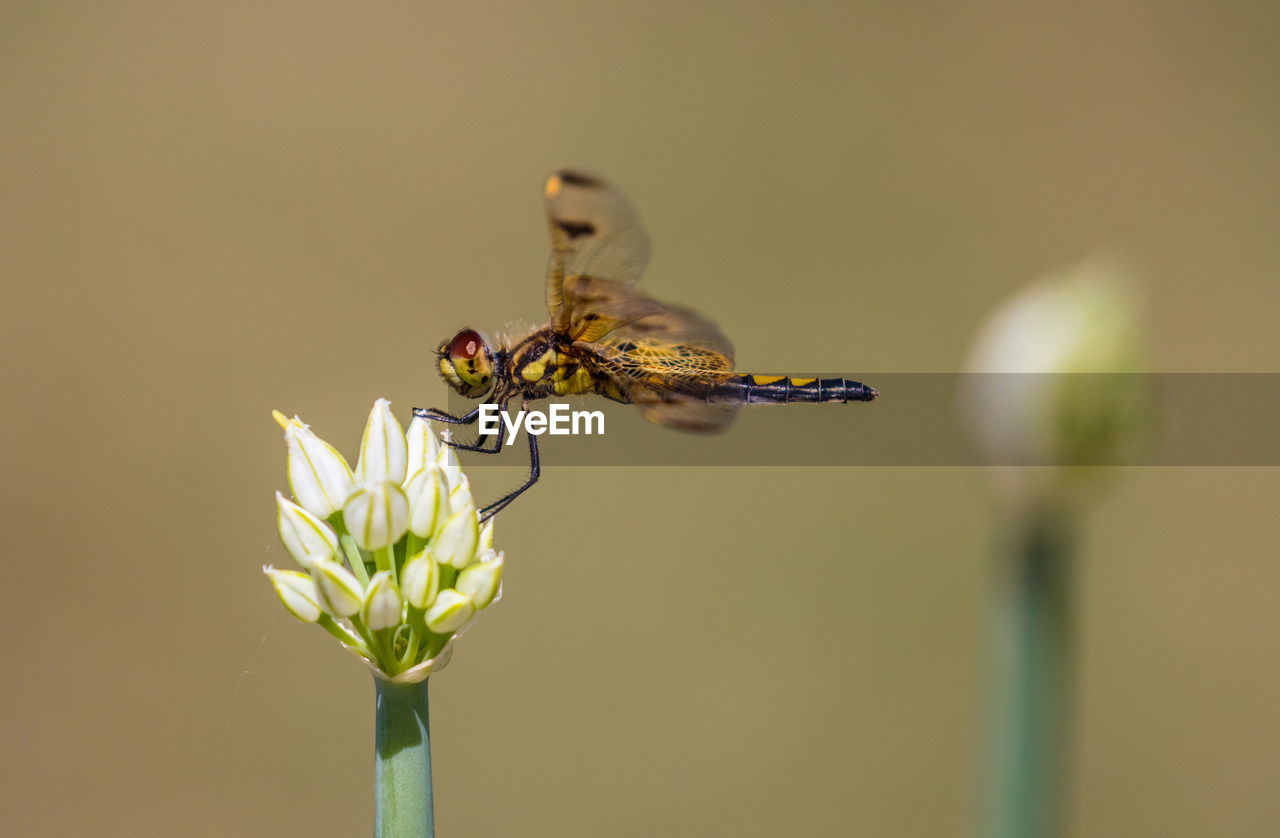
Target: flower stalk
{"type": "Point", "coordinates": [405, 803]}
{"type": "Point", "coordinates": [1033, 679]}
{"type": "Point", "coordinates": [1053, 397]}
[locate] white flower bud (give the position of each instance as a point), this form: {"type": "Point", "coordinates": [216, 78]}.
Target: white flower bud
{"type": "Point", "coordinates": [383, 449]}
{"type": "Point", "coordinates": [382, 604]}
{"type": "Point", "coordinates": [337, 588]}
{"type": "Point", "coordinates": [448, 460]}
{"type": "Point", "coordinates": [460, 498]}
{"type": "Point", "coordinates": [320, 478]}
{"type": "Point", "coordinates": [377, 514]}
{"type": "Point", "coordinates": [486, 537]}
{"type": "Point", "coordinates": [296, 591]}
{"type": "Point", "coordinates": [304, 535]}
{"type": "Point", "coordinates": [420, 580]}
{"type": "Point", "coordinates": [428, 501]}
{"type": "Point", "coordinates": [455, 543]}
{"type": "Point", "coordinates": [481, 580]}
{"type": "Point", "coordinates": [1045, 387]}
{"type": "Point", "coordinates": [422, 446]}
{"type": "Point", "coordinates": [449, 612]}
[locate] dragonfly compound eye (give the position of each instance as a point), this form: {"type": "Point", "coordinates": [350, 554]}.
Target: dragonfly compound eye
{"type": "Point", "coordinates": [467, 363]}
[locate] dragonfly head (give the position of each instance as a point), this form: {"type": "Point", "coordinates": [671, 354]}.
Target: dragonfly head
{"type": "Point", "coordinates": [466, 364]}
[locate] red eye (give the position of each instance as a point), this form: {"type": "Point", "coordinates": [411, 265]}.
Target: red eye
{"type": "Point", "coordinates": [466, 345]}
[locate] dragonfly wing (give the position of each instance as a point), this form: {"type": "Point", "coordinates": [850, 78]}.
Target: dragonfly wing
{"type": "Point", "coordinates": [594, 232]}
{"type": "Point", "coordinates": [688, 413]}
{"type": "Point", "coordinates": [662, 357]}
{"type": "Point", "coordinates": [614, 313]}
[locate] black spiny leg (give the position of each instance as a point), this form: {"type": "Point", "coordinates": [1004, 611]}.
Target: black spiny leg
{"type": "Point", "coordinates": [535, 471]}
{"type": "Point", "coordinates": [447, 418]}
{"type": "Point", "coordinates": [535, 466]}
{"type": "Point", "coordinates": [467, 419]}
{"type": "Point", "coordinates": [482, 447]}
{"type": "Point", "coordinates": [478, 447]}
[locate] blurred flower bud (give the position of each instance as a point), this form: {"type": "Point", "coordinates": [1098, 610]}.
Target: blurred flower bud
{"type": "Point", "coordinates": [1047, 384]}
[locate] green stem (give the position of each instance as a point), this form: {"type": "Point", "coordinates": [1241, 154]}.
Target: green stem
{"type": "Point", "coordinates": [341, 632]}
{"type": "Point", "coordinates": [417, 628]}
{"type": "Point", "coordinates": [385, 558]}
{"type": "Point", "coordinates": [354, 558]}
{"type": "Point", "coordinates": [1034, 681]}
{"type": "Point", "coordinates": [402, 762]}
{"type": "Point", "coordinates": [448, 575]}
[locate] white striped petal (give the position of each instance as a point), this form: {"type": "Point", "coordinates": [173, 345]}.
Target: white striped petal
{"type": "Point", "coordinates": [384, 452]}
{"type": "Point", "coordinates": [319, 477]}
{"type": "Point", "coordinates": [304, 535]}
{"type": "Point", "coordinates": [422, 446]}
{"type": "Point", "coordinates": [377, 514]}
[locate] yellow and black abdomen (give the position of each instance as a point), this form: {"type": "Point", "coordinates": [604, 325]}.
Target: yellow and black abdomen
{"type": "Point", "coordinates": [782, 389]}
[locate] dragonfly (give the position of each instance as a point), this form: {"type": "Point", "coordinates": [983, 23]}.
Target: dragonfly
{"type": "Point", "coordinates": [606, 337]}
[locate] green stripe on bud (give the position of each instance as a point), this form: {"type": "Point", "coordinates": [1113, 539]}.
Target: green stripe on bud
{"type": "Point", "coordinates": [460, 497]}
{"type": "Point", "coordinates": [449, 612]}
{"type": "Point", "coordinates": [420, 580]}
{"type": "Point", "coordinates": [455, 544]}
{"type": "Point", "coordinates": [422, 446]}
{"type": "Point", "coordinates": [382, 605]}
{"type": "Point", "coordinates": [337, 589]}
{"type": "Point", "coordinates": [383, 449]}
{"type": "Point", "coordinates": [448, 461]}
{"type": "Point", "coordinates": [377, 514]}
{"type": "Point", "coordinates": [482, 580]}
{"type": "Point", "coordinates": [304, 535]}
{"type": "Point", "coordinates": [296, 591]}
{"type": "Point", "coordinates": [428, 500]}
{"type": "Point", "coordinates": [319, 477]}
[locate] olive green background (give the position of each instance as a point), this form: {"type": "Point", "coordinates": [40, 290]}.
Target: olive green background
{"type": "Point", "coordinates": [209, 213]}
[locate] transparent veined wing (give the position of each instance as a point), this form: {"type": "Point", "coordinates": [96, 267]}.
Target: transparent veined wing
{"type": "Point", "coordinates": [663, 357]}
{"type": "Point", "coordinates": [594, 232]}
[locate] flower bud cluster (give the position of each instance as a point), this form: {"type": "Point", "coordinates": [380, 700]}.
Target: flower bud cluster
{"type": "Point", "coordinates": [394, 561]}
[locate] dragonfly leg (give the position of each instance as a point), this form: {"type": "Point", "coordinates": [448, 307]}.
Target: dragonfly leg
{"type": "Point", "coordinates": [490, 446]}
{"type": "Point", "coordinates": [447, 418]}
{"type": "Point", "coordinates": [535, 471]}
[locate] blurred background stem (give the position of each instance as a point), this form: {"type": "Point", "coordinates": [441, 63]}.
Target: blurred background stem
{"type": "Point", "coordinates": [1033, 683]}
{"type": "Point", "coordinates": [402, 761]}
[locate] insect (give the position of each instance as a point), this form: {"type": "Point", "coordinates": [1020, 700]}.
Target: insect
{"type": "Point", "coordinates": [607, 337]}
